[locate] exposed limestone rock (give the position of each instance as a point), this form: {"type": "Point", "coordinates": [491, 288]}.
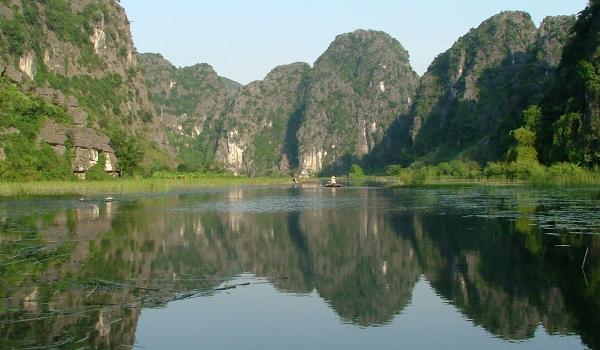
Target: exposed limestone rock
{"type": "Point", "coordinates": [98, 37]}
{"type": "Point", "coordinates": [27, 64]}
{"type": "Point", "coordinates": [363, 79]}
{"type": "Point", "coordinates": [106, 57]}
{"type": "Point", "coordinates": [189, 98]}
{"type": "Point", "coordinates": [234, 152]}
{"type": "Point", "coordinates": [551, 38]}
{"type": "Point", "coordinates": [13, 74]}
{"type": "Point", "coordinates": [259, 128]}
{"type": "Point", "coordinates": [312, 161]}
{"type": "Point", "coordinates": [88, 145]}
{"type": "Point", "coordinates": [6, 12]}
{"type": "Point", "coordinates": [70, 103]}
{"type": "Point", "coordinates": [474, 93]}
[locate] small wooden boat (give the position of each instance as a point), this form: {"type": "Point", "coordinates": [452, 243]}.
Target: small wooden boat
{"type": "Point", "coordinates": [333, 185]}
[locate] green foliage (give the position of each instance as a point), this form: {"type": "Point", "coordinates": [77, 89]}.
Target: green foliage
{"type": "Point", "coordinates": [532, 117]}
{"type": "Point", "coordinates": [515, 170]}
{"type": "Point", "coordinates": [356, 172]}
{"type": "Point", "coordinates": [419, 173]}
{"type": "Point", "coordinates": [96, 172]}
{"type": "Point", "coordinates": [128, 150]}
{"type": "Point", "coordinates": [570, 128]}
{"type": "Point", "coordinates": [25, 113]}
{"type": "Point", "coordinates": [533, 172]}
{"type": "Point", "coordinates": [25, 31]}
{"type": "Point", "coordinates": [98, 96]}
{"type": "Point", "coordinates": [524, 150]}
{"type": "Point", "coordinates": [393, 170]}
{"type": "Point", "coordinates": [26, 162]}
{"type": "Point", "coordinates": [21, 117]}
{"type": "Point", "coordinates": [566, 141]}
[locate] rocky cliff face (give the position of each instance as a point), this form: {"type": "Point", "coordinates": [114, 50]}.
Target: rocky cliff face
{"type": "Point", "coordinates": [80, 56]}
{"type": "Point", "coordinates": [258, 136]}
{"type": "Point", "coordinates": [473, 94]}
{"type": "Point", "coordinates": [358, 87]}
{"type": "Point", "coordinates": [190, 102]}
{"type": "Point", "coordinates": [187, 97]}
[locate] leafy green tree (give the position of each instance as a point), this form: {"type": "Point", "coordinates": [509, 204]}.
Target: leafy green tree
{"type": "Point", "coordinates": [570, 127]}
{"type": "Point", "coordinates": [356, 171]}
{"type": "Point", "coordinates": [128, 150]}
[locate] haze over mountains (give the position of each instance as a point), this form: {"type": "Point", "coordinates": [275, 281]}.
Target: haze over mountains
{"type": "Point", "coordinates": [361, 102]}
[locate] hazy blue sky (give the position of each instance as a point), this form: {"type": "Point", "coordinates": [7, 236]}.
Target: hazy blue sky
{"type": "Point", "coordinates": [244, 39]}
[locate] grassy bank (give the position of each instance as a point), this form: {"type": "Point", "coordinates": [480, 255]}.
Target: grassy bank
{"type": "Point", "coordinates": [513, 173]}
{"type": "Point", "coordinates": [117, 186]}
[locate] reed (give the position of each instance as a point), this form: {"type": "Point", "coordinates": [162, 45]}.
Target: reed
{"type": "Point", "coordinates": [117, 186]}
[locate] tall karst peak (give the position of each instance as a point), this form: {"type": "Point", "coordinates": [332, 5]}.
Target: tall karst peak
{"type": "Point", "coordinates": [190, 101]}
{"type": "Point", "coordinates": [359, 86]}
{"type": "Point", "coordinates": [473, 94]}
{"type": "Point", "coordinates": [258, 136]}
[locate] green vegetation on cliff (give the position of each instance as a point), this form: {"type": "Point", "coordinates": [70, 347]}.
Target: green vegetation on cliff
{"type": "Point", "coordinates": [570, 128]}
{"type": "Point", "coordinates": [473, 95]}
{"type": "Point", "coordinates": [22, 158]}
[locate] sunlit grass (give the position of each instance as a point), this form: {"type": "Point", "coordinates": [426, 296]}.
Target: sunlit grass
{"type": "Point", "coordinates": [81, 188]}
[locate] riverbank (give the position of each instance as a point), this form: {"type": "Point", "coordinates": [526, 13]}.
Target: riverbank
{"type": "Point", "coordinates": [132, 185]}
{"type": "Point", "coordinates": [129, 185]}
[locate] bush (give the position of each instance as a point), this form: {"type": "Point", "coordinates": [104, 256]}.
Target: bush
{"type": "Point", "coordinates": [356, 172]}
{"type": "Point", "coordinates": [565, 170]}
{"type": "Point", "coordinates": [96, 172]}
{"type": "Point", "coordinates": [394, 170]}
{"type": "Point", "coordinates": [520, 170]}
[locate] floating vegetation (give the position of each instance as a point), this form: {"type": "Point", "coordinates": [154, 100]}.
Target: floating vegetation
{"type": "Point", "coordinates": [557, 211]}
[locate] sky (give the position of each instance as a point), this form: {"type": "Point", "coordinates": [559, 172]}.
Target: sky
{"type": "Point", "coordinates": [245, 39]}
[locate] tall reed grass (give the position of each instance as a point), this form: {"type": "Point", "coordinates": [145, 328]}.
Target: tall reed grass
{"type": "Point", "coordinates": [117, 186]}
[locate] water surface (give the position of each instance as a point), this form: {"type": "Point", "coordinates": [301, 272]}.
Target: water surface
{"type": "Point", "coordinates": [304, 268]}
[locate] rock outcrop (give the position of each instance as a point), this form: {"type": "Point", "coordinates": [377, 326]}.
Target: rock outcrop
{"type": "Point", "coordinates": [359, 86]}
{"type": "Point", "coordinates": [187, 97]}
{"type": "Point", "coordinates": [88, 144]}
{"type": "Point", "coordinates": [473, 94]}
{"type": "Point", "coordinates": [258, 135]}
{"type": "Point", "coordinates": [80, 55]}
{"type": "Point", "coordinates": [191, 102]}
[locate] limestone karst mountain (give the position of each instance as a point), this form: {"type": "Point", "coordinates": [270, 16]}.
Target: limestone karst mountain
{"type": "Point", "coordinates": [190, 102]}
{"type": "Point", "coordinates": [258, 135]}
{"type": "Point", "coordinates": [361, 102]}
{"type": "Point", "coordinates": [474, 94]}
{"type": "Point", "coordinates": [358, 87]}
{"type": "Point", "coordinates": [79, 55]}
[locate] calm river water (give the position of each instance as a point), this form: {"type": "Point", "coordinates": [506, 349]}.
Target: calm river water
{"type": "Point", "coordinates": [303, 268]}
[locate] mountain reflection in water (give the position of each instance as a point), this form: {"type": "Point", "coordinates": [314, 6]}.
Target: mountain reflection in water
{"type": "Point", "coordinates": [80, 273]}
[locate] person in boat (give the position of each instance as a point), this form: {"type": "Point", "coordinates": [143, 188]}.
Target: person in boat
{"type": "Point", "coordinates": [332, 181]}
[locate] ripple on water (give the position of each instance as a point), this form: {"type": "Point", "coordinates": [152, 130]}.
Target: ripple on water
{"type": "Point", "coordinates": [271, 204]}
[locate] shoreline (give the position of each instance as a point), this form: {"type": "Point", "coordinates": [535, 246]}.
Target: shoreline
{"type": "Point", "coordinates": [10, 190]}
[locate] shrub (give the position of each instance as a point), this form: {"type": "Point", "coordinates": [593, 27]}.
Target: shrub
{"type": "Point", "coordinates": [356, 171]}
{"type": "Point", "coordinates": [393, 170]}
{"type": "Point", "coordinates": [96, 172]}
